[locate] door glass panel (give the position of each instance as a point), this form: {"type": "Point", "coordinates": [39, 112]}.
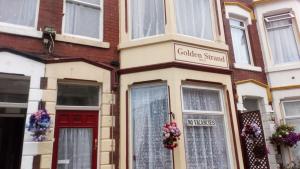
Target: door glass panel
{"type": "Point", "coordinates": [77, 95]}
{"type": "Point", "coordinates": [75, 148]}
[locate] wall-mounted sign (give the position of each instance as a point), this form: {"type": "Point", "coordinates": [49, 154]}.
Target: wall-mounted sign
{"type": "Point", "coordinates": [201, 56]}
{"type": "Point", "coordinates": [200, 122]}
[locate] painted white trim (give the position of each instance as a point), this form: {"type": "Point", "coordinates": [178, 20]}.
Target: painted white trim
{"type": "Point", "coordinates": [23, 30]}
{"type": "Point", "coordinates": [88, 40]}
{"type": "Point", "coordinates": [247, 67]}
{"type": "Point", "coordinates": [88, 108]}
{"type": "Point", "coordinates": [13, 105]}
{"type": "Point", "coordinates": [82, 40]}
{"type": "Point", "coordinates": [20, 30]}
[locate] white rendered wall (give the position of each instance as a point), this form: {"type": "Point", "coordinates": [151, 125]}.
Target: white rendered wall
{"type": "Point", "coordinates": [15, 64]}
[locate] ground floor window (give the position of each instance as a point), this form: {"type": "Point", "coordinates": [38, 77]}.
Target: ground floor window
{"type": "Point", "coordinates": [204, 128]}
{"type": "Point", "coordinates": [292, 117]}
{"type": "Point", "coordinates": [149, 112]}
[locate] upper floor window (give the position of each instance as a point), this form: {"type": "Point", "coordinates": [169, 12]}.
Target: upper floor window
{"type": "Point", "coordinates": [240, 42]}
{"type": "Point", "coordinates": [19, 12]}
{"type": "Point", "coordinates": [194, 18]}
{"type": "Point", "coordinates": [83, 18]}
{"type": "Point", "coordinates": [147, 18]}
{"type": "Point", "coordinates": [282, 38]}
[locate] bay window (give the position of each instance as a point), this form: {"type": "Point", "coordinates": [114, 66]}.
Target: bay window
{"type": "Point", "coordinates": [292, 117]}
{"type": "Point", "coordinates": [149, 112]}
{"type": "Point", "coordinates": [194, 18]}
{"type": "Point", "coordinates": [147, 18]}
{"type": "Point", "coordinates": [19, 12]}
{"type": "Point", "coordinates": [282, 38]}
{"type": "Point", "coordinates": [240, 42]}
{"type": "Point", "coordinates": [205, 142]}
{"type": "Point", "coordinates": [83, 18]}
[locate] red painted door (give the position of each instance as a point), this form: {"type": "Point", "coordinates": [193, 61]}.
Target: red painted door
{"type": "Point", "coordinates": [76, 140]}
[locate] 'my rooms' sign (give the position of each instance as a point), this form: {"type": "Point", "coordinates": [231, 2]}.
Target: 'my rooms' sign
{"type": "Point", "coordinates": [201, 56]}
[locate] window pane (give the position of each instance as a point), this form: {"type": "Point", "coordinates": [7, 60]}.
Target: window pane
{"type": "Point", "coordinates": [193, 18]}
{"type": "Point", "coordinates": [292, 108]}
{"type": "Point", "coordinates": [77, 95]}
{"type": "Point", "coordinates": [201, 100]}
{"type": "Point", "coordinates": [14, 90]}
{"type": "Point", "coordinates": [82, 20]}
{"type": "Point", "coordinates": [240, 46]}
{"type": "Point", "coordinates": [19, 12]}
{"type": "Point", "coordinates": [236, 23]}
{"type": "Point", "coordinates": [251, 104]}
{"type": "Point", "coordinates": [283, 41]}
{"type": "Point", "coordinates": [205, 147]}
{"type": "Point", "coordinates": [149, 109]}
{"type": "Point", "coordinates": [147, 18]}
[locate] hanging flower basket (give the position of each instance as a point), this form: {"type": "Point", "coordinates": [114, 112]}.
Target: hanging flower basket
{"type": "Point", "coordinates": [251, 131]}
{"type": "Point", "coordinates": [171, 134]}
{"type": "Point", "coordinates": [285, 135]}
{"type": "Point", "coordinates": [39, 124]}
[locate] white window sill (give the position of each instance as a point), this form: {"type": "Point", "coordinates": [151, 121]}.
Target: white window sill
{"type": "Point", "coordinates": [82, 41]}
{"type": "Point", "coordinates": [248, 67]}
{"type": "Point", "coordinates": [20, 30]}
{"type": "Point", "coordinates": [283, 67]}
{"type": "Point", "coordinates": [172, 37]}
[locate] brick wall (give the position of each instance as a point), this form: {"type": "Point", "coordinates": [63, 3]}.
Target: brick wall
{"type": "Point", "coordinates": [239, 74]}
{"type": "Point", "coordinates": [50, 14]}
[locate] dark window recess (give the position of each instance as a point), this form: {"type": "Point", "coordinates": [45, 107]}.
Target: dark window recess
{"type": "Point", "coordinates": [77, 95]}
{"type": "Point", "coordinates": [14, 90]}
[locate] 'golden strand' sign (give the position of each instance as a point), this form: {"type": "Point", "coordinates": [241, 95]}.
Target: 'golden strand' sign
{"type": "Point", "coordinates": [201, 56]}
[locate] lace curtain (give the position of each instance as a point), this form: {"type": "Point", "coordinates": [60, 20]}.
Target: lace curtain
{"type": "Point", "coordinates": [82, 19]}
{"type": "Point", "coordinates": [282, 41]}
{"type": "Point", "coordinates": [293, 109]}
{"type": "Point", "coordinates": [193, 18]}
{"type": "Point", "coordinates": [205, 100]}
{"type": "Point", "coordinates": [149, 109]}
{"type": "Point", "coordinates": [240, 46]}
{"type": "Point", "coordinates": [75, 148]}
{"type": "Point", "coordinates": [19, 12]}
{"type": "Point", "coordinates": [206, 147]}
{"type": "Point", "coordinates": [147, 17]}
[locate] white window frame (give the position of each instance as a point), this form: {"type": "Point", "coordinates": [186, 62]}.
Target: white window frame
{"type": "Point", "coordinates": [223, 112]}
{"type": "Point", "coordinates": [294, 27]}
{"type": "Point", "coordinates": [88, 108]}
{"type": "Point", "coordinates": [213, 7]}
{"type": "Point", "coordinates": [245, 29]}
{"type": "Point", "coordinates": [284, 110]}
{"type": "Point", "coordinates": [129, 23]}
{"type": "Point", "coordinates": [101, 21]}
{"type": "Point", "coordinates": [130, 115]}
{"type": "Point", "coordinates": [21, 29]}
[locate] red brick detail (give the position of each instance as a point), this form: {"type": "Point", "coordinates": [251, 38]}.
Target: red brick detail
{"type": "Point", "coordinates": [239, 74]}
